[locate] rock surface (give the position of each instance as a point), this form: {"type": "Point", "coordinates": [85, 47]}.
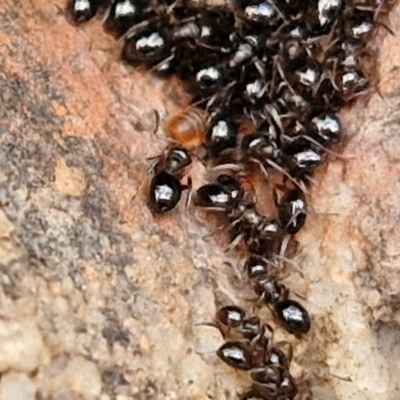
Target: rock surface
{"type": "Point", "coordinates": [100, 300]}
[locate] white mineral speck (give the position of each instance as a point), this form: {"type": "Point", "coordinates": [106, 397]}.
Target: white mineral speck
{"type": "Point", "coordinates": [16, 386]}
{"type": "Point", "coordinates": [21, 345]}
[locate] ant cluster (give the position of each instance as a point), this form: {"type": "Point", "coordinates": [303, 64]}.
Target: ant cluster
{"type": "Point", "coordinates": [264, 238]}
{"type": "Point", "coordinates": [267, 78]}
{"type": "Point", "coordinates": [249, 349]}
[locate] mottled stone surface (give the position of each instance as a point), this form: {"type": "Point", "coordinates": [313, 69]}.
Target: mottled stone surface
{"type": "Point", "coordinates": [99, 299]}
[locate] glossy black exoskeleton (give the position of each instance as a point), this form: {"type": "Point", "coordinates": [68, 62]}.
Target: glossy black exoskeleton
{"type": "Point", "coordinates": [291, 42]}
{"type": "Point", "coordinates": [175, 160]}
{"type": "Point", "coordinates": [326, 128]}
{"type": "Point", "coordinates": [260, 148]}
{"type": "Point", "coordinates": [80, 11]}
{"type": "Point", "coordinates": [221, 135]}
{"type": "Point", "coordinates": [292, 210]}
{"type": "Point", "coordinates": [249, 91]}
{"type": "Point", "coordinates": [233, 323]}
{"type": "Point", "coordinates": [207, 29]}
{"type": "Point", "coordinates": [285, 390]}
{"type": "Point", "coordinates": [294, 8]}
{"type": "Point", "coordinates": [278, 359]}
{"type": "Point", "coordinates": [216, 26]}
{"type": "Point", "coordinates": [244, 50]}
{"type": "Point", "coordinates": [252, 351]}
{"type": "Point", "coordinates": [293, 316]}
{"type": "Point", "coordinates": [256, 267]}
{"type": "Point", "coordinates": [254, 90]}
{"type": "Point", "coordinates": [122, 15]}
{"type": "Point", "coordinates": [147, 46]}
{"type": "Point", "coordinates": [268, 288]}
{"type": "Point", "coordinates": [359, 26]}
{"type": "Point", "coordinates": [213, 197]}
{"type": "Point", "coordinates": [258, 13]}
{"type": "Point", "coordinates": [351, 83]}
{"type": "Point", "coordinates": [303, 74]}
{"type": "Point", "coordinates": [271, 378]}
{"type": "Point", "coordinates": [165, 187]}
{"type": "Point", "coordinates": [233, 186]}
{"type": "Point", "coordinates": [208, 79]}
{"type": "Point", "coordinates": [293, 158]}
{"type": "Point", "coordinates": [301, 157]}
{"type": "Point", "coordinates": [322, 15]}
{"type": "Point", "coordinates": [165, 192]}
{"type": "Point", "coordinates": [186, 29]}
{"type": "Point", "coordinates": [308, 74]}
{"type": "Point", "coordinates": [346, 55]}
{"type": "Point", "coordinates": [260, 233]}
{"type": "Point", "coordinates": [264, 238]}
{"type": "Point", "coordinates": [253, 394]}
{"type": "Point", "coordinates": [268, 375]}
{"type": "Point", "coordinates": [222, 195]}
{"type": "Point", "coordinates": [237, 355]}
{"type": "Point", "coordinates": [230, 316]}
{"type": "Point", "coordinates": [263, 275]}
{"type": "Point", "coordinates": [253, 330]}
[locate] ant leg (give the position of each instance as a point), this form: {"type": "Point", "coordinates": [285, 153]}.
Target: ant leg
{"type": "Point", "coordinates": [311, 180]}
{"type": "Point", "coordinates": [229, 167]}
{"type": "Point", "coordinates": [234, 243]}
{"type": "Point", "coordinates": [214, 232]}
{"type": "Point", "coordinates": [289, 355]}
{"type": "Point", "coordinates": [258, 304]}
{"type": "Point", "coordinates": [269, 262]}
{"type": "Point", "coordinates": [157, 120]}
{"type": "Point", "coordinates": [292, 219]}
{"type": "Point", "coordinates": [313, 141]}
{"type": "Point", "coordinates": [275, 197]}
{"type": "Point", "coordinates": [291, 262]}
{"type": "Point", "coordinates": [189, 199]}
{"type": "Point", "coordinates": [131, 31]}
{"type": "Point", "coordinates": [262, 167]}
{"type": "Point", "coordinates": [271, 331]}
{"type": "Point", "coordinates": [275, 116]}
{"type": "Point", "coordinates": [188, 185]}
{"type": "Point", "coordinates": [299, 295]}
{"type": "Point", "coordinates": [224, 332]}
{"type": "Point", "coordinates": [212, 324]}
{"type": "Point", "coordinates": [274, 165]}
{"type": "Point", "coordinates": [282, 74]}
{"type": "Point", "coordinates": [153, 165]}
{"type": "Point", "coordinates": [239, 274]}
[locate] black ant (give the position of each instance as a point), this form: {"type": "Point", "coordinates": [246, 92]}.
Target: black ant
{"type": "Point", "coordinates": [223, 195]}
{"type": "Point", "coordinates": [165, 187]}
{"type": "Point", "coordinates": [254, 352]}
{"type": "Point", "coordinates": [81, 11]}
{"type": "Point", "coordinates": [221, 135]}
{"type": "Point", "coordinates": [147, 45]}
{"type": "Point", "coordinates": [281, 387]}
{"type": "Point", "coordinates": [260, 233]}
{"type": "Point", "coordinates": [292, 210]}
{"type": "Point", "coordinates": [122, 15]}
{"type": "Point", "coordinates": [291, 314]}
